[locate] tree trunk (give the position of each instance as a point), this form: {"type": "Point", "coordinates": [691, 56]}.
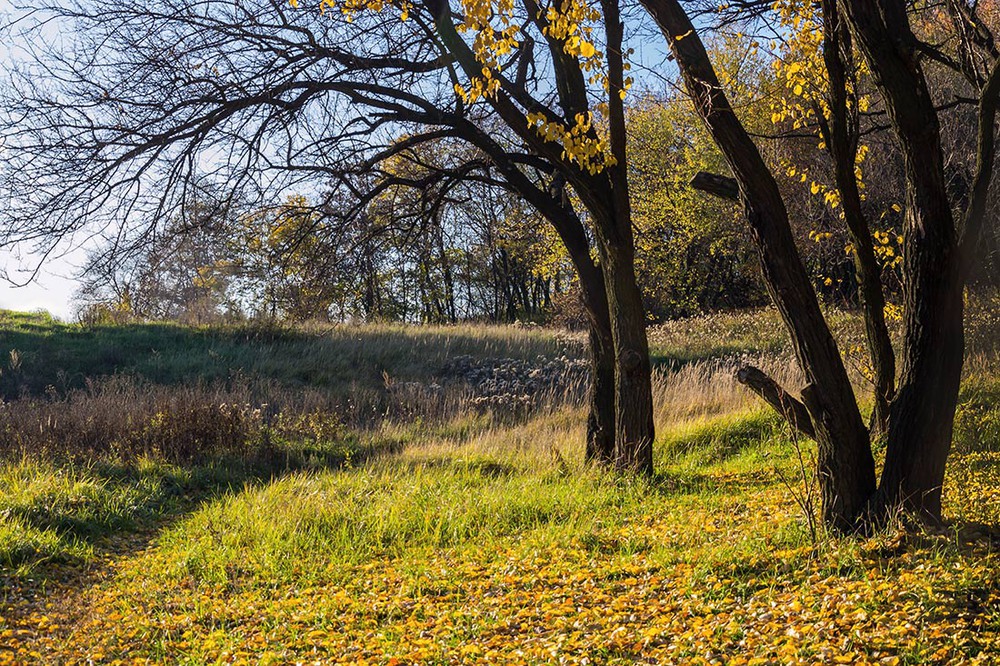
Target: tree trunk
{"type": "Point", "coordinates": [922, 415]}
{"type": "Point", "coordinates": [601, 396]}
{"type": "Point", "coordinates": [841, 136]}
{"type": "Point", "coordinates": [846, 466]}
{"type": "Point", "coordinates": [633, 385]}
{"type": "Point", "coordinates": [633, 382]}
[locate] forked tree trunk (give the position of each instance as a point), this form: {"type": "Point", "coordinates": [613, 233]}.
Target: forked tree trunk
{"type": "Point", "coordinates": [922, 415]}
{"type": "Point", "coordinates": [633, 397]}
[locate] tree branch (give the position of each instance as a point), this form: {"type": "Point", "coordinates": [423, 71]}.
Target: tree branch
{"type": "Point", "coordinates": [723, 187]}
{"type": "Point", "coordinates": [781, 400]}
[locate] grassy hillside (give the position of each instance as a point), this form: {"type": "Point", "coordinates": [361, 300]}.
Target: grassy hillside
{"type": "Point", "coordinates": [330, 358]}
{"type": "Point", "coordinates": [391, 495]}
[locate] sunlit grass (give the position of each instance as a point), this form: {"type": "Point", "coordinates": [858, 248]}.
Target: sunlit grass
{"type": "Point", "coordinates": [465, 536]}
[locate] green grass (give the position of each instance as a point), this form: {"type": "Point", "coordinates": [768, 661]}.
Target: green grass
{"type": "Point", "coordinates": [704, 442]}
{"type": "Point", "coordinates": [313, 527]}
{"type": "Point", "coordinates": [417, 538]}
{"type": "Point", "coordinates": [37, 352]}
{"type": "Point", "coordinates": [65, 511]}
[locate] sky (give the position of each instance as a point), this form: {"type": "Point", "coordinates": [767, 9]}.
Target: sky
{"type": "Point", "coordinates": [56, 282]}
{"type": "Point", "coordinates": [51, 290]}
{"type": "Point", "coordinates": [53, 286]}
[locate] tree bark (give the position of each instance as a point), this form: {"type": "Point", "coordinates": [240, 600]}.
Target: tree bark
{"type": "Point", "coordinates": [846, 466]}
{"type": "Point", "coordinates": [922, 415]}
{"type": "Point", "coordinates": [601, 396]}
{"type": "Point", "coordinates": [634, 429]}
{"type": "Point", "coordinates": [779, 399]}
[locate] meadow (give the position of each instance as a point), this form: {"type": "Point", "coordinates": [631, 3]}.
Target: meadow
{"type": "Point", "coordinates": [387, 494]}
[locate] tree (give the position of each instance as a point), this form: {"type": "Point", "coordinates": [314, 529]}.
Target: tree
{"type": "Point", "coordinates": [286, 261]}
{"type": "Point", "coordinates": [268, 100]}
{"type": "Point", "coordinates": [183, 272]}
{"type": "Point", "coordinates": [567, 137]}
{"type": "Point", "coordinates": [937, 252]}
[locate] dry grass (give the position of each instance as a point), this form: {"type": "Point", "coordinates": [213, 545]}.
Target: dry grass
{"type": "Point", "coordinates": [709, 388]}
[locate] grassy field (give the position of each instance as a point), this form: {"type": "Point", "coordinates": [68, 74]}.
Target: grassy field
{"type": "Point", "coordinates": [344, 495]}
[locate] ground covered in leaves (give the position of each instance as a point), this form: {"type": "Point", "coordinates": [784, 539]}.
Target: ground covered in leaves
{"type": "Point", "coordinates": [713, 567]}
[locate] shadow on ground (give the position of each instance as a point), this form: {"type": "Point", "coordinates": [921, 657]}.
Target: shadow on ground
{"type": "Point", "coordinates": [37, 352]}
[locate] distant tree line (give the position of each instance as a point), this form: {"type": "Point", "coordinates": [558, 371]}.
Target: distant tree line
{"type": "Point", "coordinates": [474, 253]}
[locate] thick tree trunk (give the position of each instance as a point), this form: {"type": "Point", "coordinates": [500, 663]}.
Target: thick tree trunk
{"type": "Point", "coordinates": [634, 429]}
{"type": "Point", "coordinates": [633, 382]}
{"type": "Point", "coordinates": [922, 415]}
{"type": "Point", "coordinates": [846, 466]}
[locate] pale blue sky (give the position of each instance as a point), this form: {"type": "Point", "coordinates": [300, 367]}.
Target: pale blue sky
{"type": "Point", "coordinates": [56, 280]}
{"type": "Point", "coordinates": [51, 290]}
{"type": "Point", "coordinates": [55, 284]}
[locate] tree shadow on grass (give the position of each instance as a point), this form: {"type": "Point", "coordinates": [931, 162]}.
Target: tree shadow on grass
{"type": "Point", "coordinates": [335, 358]}
{"type": "Point", "coordinates": [691, 482]}
{"type": "Point", "coordinates": [132, 502]}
